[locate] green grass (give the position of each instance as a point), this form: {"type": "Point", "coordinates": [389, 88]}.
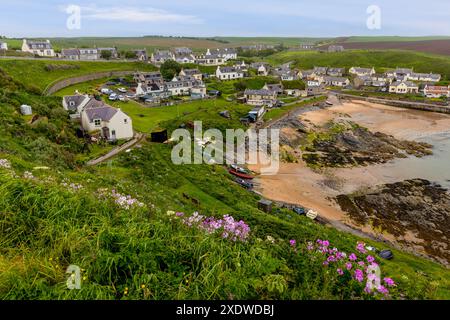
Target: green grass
{"type": "Point", "coordinates": [33, 73]}
{"type": "Point", "coordinates": [145, 119]}
{"type": "Point", "coordinates": [367, 58]}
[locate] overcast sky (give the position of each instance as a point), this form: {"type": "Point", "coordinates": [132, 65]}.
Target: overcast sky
{"type": "Point", "coordinates": [324, 18]}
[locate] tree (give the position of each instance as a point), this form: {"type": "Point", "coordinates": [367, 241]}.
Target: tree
{"type": "Point", "coordinates": [106, 54]}
{"type": "Point", "coordinates": [169, 69]}
{"type": "Point", "coordinates": [130, 55]}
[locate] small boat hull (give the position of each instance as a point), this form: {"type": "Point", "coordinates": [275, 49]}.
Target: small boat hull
{"type": "Point", "coordinates": [240, 175]}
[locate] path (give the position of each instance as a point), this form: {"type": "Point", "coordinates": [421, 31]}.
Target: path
{"type": "Point", "coordinates": [137, 138]}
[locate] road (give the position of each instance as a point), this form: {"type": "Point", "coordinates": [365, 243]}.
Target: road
{"type": "Point", "coordinates": [137, 138]}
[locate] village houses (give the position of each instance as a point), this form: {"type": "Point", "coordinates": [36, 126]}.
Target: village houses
{"type": "Point", "coordinates": [195, 73]}
{"type": "Point", "coordinates": [225, 53]}
{"type": "Point", "coordinates": [357, 71]}
{"type": "Point", "coordinates": [39, 48]}
{"type": "Point", "coordinates": [403, 87]}
{"type": "Point", "coordinates": [436, 91]}
{"type": "Point", "coordinates": [161, 56]}
{"type": "Point", "coordinates": [228, 73]}
{"type": "Point", "coordinates": [260, 97]}
{"type": "Point", "coordinates": [99, 118]}
{"type": "Point", "coordinates": [3, 45]}
{"type": "Point", "coordinates": [262, 68]}
{"type": "Point", "coordinates": [210, 60]}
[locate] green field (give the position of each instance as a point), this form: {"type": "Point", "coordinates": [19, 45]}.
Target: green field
{"type": "Point", "coordinates": [381, 60]}
{"type": "Point", "coordinates": [394, 39]}
{"type": "Point", "coordinates": [35, 73]}
{"type": "Point", "coordinates": [147, 118]}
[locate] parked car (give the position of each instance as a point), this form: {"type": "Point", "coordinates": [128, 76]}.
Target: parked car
{"type": "Point", "coordinates": [299, 210]}
{"type": "Point", "coordinates": [123, 90]}
{"type": "Point", "coordinates": [113, 97]}
{"type": "Point", "coordinates": [121, 98]}
{"type": "Point", "coordinates": [106, 91]}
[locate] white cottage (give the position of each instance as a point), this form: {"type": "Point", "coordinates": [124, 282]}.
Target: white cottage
{"type": "Point", "coordinates": [228, 73]}
{"type": "Point", "coordinates": [112, 123]}
{"type": "Point", "coordinates": [39, 48]}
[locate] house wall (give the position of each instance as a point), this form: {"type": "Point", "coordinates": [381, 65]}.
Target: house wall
{"type": "Point", "coordinates": [117, 123]}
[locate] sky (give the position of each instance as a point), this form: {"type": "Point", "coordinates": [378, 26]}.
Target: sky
{"type": "Point", "coordinates": [203, 18]}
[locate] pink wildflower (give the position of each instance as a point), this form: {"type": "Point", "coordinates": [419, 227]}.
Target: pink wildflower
{"type": "Point", "coordinates": [389, 282]}
{"type": "Point", "coordinates": [360, 247]}
{"type": "Point", "coordinates": [348, 266]}
{"type": "Point", "coordinates": [292, 243]}
{"type": "Point", "coordinates": [353, 257]}
{"type": "Point", "coordinates": [359, 275]}
{"type": "Point", "coordinates": [340, 272]}
{"type": "Point", "coordinates": [383, 290]}
{"type": "Point", "coordinates": [370, 259]}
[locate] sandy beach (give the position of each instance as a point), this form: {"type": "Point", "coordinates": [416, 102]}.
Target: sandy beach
{"type": "Point", "coordinates": [296, 183]}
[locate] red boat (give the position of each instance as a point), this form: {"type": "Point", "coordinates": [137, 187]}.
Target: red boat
{"type": "Point", "coordinates": [240, 175]}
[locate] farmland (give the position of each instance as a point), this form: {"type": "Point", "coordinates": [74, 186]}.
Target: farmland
{"type": "Point", "coordinates": [367, 58]}
{"type": "Point", "coordinates": [439, 46]}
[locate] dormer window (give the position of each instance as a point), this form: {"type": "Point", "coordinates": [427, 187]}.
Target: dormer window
{"type": "Point", "coordinates": [72, 103]}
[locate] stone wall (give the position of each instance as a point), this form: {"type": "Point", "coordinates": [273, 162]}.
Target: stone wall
{"type": "Point", "coordinates": [89, 77]}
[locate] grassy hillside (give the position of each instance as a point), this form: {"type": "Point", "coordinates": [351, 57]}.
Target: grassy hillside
{"type": "Point", "coordinates": [133, 248]}
{"type": "Point", "coordinates": [38, 74]}
{"type": "Point", "coordinates": [367, 58]}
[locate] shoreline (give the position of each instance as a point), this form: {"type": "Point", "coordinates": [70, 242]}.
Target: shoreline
{"type": "Point", "coordinates": [298, 184]}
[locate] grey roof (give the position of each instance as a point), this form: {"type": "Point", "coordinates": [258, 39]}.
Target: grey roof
{"type": "Point", "coordinates": [222, 51]}
{"type": "Point", "coordinates": [70, 52]}
{"type": "Point", "coordinates": [262, 92]}
{"type": "Point", "coordinates": [76, 101]}
{"type": "Point", "coordinates": [190, 72]}
{"type": "Point", "coordinates": [256, 65]}
{"type": "Point", "coordinates": [360, 70]}
{"type": "Point", "coordinates": [275, 87]}
{"type": "Point", "coordinates": [321, 70]}
{"type": "Point", "coordinates": [336, 70]}
{"type": "Point", "coordinates": [101, 111]}
{"type": "Point", "coordinates": [228, 69]}
{"type": "Point", "coordinates": [335, 79]}
{"type": "Point", "coordinates": [408, 83]}
{"type": "Point", "coordinates": [39, 44]}
{"type": "Point", "coordinates": [163, 54]}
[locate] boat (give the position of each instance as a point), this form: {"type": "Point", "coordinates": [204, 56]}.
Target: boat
{"type": "Point", "coordinates": [240, 175]}
{"type": "Point", "coordinates": [239, 169]}
{"type": "Point", "coordinates": [312, 214]}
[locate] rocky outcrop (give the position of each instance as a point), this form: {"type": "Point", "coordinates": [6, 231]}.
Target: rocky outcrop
{"type": "Point", "coordinates": [416, 212]}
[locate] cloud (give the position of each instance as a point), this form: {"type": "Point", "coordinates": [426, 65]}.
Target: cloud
{"type": "Point", "coordinates": [130, 14]}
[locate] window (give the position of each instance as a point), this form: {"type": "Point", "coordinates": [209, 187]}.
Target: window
{"type": "Point", "coordinates": [125, 121]}
{"type": "Point", "coordinates": [72, 103]}
{"type": "Point", "coordinates": [97, 122]}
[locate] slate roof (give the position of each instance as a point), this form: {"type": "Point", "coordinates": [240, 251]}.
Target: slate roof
{"type": "Point", "coordinates": [39, 44]}
{"type": "Point", "coordinates": [100, 111]}
{"type": "Point", "coordinates": [262, 92]}
{"type": "Point", "coordinates": [77, 101]}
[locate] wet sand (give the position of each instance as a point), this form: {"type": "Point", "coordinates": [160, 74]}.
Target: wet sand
{"type": "Point", "coordinates": [296, 183]}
